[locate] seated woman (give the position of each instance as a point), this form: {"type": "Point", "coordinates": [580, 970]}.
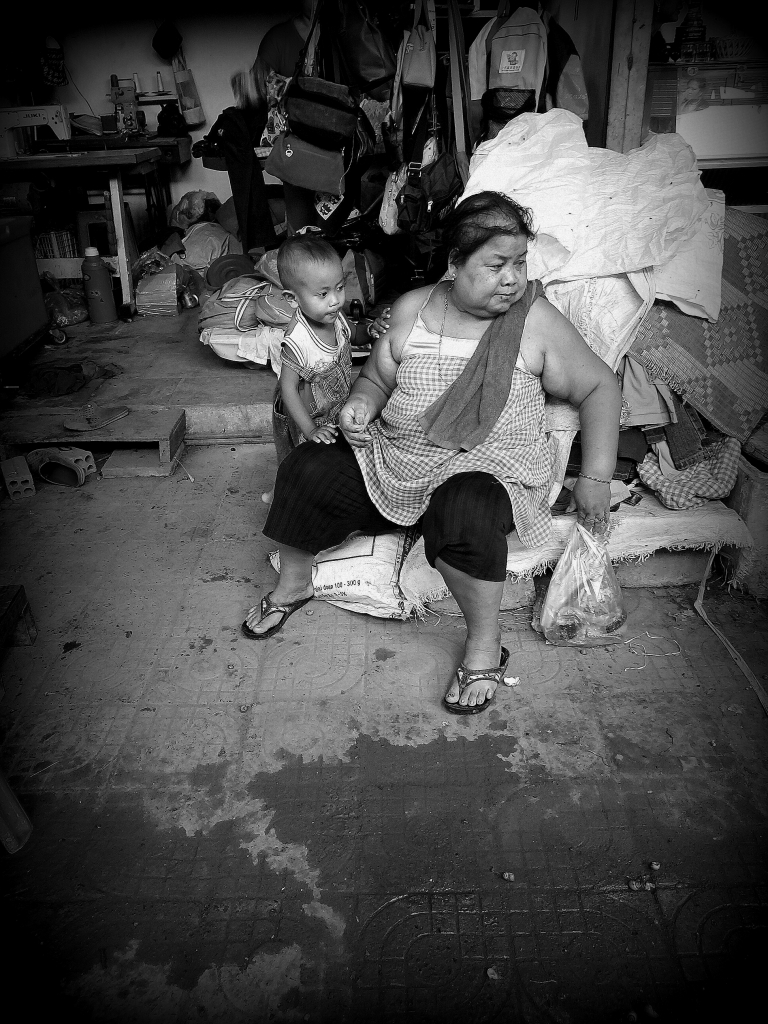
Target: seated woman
{"type": "Point", "coordinates": [445, 426]}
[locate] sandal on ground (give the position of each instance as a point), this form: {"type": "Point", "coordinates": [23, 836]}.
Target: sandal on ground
{"type": "Point", "coordinates": [63, 465]}
{"type": "Point", "coordinates": [266, 608]}
{"type": "Point", "coordinates": [467, 677]}
{"type": "Point", "coordinates": [91, 417]}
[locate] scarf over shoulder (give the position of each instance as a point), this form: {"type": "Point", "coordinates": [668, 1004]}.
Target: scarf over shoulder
{"type": "Point", "coordinates": [467, 411]}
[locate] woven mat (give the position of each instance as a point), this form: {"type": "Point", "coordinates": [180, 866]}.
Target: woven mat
{"type": "Point", "coordinates": [721, 369]}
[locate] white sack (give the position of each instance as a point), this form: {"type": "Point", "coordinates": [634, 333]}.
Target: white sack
{"type": "Point", "coordinates": [362, 574]}
{"type": "Point", "coordinates": [598, 213]}
{"type": "Point", "coordinates": [693, 278]}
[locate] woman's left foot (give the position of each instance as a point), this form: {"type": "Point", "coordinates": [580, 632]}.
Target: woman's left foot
{"type": "Point", "coordinates": [271, 615]}
{"type": "Point", "coordinates": [474, 689]}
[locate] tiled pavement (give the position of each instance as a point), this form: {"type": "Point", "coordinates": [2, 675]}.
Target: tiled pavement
{"type": "Point", "coordinates": [237, 832]}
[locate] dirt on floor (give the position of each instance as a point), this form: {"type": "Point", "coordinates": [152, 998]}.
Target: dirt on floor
{"type": "Point", "coordinates": [295, 830]}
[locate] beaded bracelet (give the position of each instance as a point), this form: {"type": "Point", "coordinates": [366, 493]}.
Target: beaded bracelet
{"type": "Point", "coordinates": [595, 478]}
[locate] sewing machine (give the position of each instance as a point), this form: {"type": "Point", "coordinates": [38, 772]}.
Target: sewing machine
{"type": "Point", "coordinates": [12, 119]}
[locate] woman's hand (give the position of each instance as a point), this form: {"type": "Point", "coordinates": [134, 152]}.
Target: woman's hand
{"type": "Point", "coordinates": [354, 419]}
{"type": "Point", "coordinates": [323, 435]}
{"type": "Point", "coordinates": [593, 505]}
{"type": "Point", "coordinates": [380, 325]}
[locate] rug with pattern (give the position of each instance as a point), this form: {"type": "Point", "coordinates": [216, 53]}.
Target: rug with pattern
{"type": "Point", "coordinates": [721, 369]}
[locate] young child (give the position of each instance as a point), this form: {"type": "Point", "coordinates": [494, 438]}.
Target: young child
{"type": "Point", "coordinates": [315, 374]}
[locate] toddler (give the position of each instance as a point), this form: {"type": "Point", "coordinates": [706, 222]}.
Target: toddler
{"type": "Point", "coordinates": [315, 372]}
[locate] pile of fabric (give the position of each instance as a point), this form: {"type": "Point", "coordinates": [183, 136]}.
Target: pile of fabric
{"type": "Point", "coordinates": [630, 248]}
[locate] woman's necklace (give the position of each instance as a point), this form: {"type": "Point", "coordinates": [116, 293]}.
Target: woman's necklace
{"type": "Point", "coordinates": [442, 329]}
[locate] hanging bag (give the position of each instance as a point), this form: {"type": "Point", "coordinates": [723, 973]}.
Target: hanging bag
{"type": "Point", "coordinates": [516, 54]}
{"type": "Point", "coordinates": [420, 56]}
{"type": "Point", "coordinates": [366, 55]}
{"type": "Point", "coordinates": [388, 213]}
{"type": "Point", "coordinates": [428, 195]}
{"type": "Point", "coordinates": [459, 89]}
{"type": "Point", "coordinates": [319, 111]}
{"type": "Point", "coordinates": [298, 162]}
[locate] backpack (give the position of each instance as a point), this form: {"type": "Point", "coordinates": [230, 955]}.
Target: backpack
{"type": "Point", "coordinates": [516, 51]}
{"type": "Point", "coordinates": [429, 194]}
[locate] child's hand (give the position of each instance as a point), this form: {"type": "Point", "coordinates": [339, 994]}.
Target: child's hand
{"type": "Point", "coordinates": [379, 326]}
{"type": "Point", "coordinates": [324, 435]}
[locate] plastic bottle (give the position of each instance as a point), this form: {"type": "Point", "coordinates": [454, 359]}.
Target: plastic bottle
{"type": "Point", "coordinates": [97, 282]}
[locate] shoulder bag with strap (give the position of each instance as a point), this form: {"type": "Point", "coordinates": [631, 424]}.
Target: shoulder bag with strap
{"type": "Point", "coordinates": [430, 190]}
{"type": "Point", "coordinates": [294, 160]}
{"type": "Point", "coordinates": [367, 56]}
{"type": "Point", "coordinates": [420, 55]}
{"type": "Point", "coordinates": [319, 111]}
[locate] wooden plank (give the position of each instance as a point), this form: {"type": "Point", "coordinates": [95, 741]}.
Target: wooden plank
{"type": "Point", "coordinates": [176, 437]}
{"type": "Point", "coordinates": [629, 71]}
{"type": "Point", "coordinates": [143, 426]}
{"type": "Point", "coordinates": [104, 159]}
{"type": "Point", "coordinates": [121, 236]}
{"type": "Point", "coordinates": [172, 150]}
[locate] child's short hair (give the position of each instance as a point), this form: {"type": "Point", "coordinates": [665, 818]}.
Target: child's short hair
{"type": "Point", "coordinates": [298, 251]}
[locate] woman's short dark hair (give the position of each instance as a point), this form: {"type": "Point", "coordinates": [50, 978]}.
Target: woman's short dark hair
{"type": "Point", "coordinates": [481, 217]}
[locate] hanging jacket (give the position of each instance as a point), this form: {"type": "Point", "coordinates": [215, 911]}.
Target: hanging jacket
{"type": "Point", "coordinates": [530, 56]}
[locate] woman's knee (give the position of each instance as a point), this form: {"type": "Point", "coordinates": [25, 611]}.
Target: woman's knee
{"type": "Point", "coordinates": [466, 525]}
{"type": "Point", "coordinates": [474, 503]}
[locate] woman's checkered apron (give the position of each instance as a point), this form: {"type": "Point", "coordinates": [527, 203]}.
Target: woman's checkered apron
{"type": "Point", "coordinates": [402, 468]}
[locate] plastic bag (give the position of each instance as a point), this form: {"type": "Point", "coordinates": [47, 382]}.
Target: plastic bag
{"type": "Point", "coordinates": [583, 606]}
{"type": "Point", "coordinates": [65, 306]}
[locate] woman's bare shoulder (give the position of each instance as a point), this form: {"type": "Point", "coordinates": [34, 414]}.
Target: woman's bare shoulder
{"type": "Point", "coordinates": [543, 323]}
{"type": "Point", "coordinates": [409, 303]}
{"type": "Point", "coordinates": [544, 319]}
{"type": "Point", "coordinates": [402, 317]}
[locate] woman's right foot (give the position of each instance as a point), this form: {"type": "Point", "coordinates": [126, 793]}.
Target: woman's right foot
{"type": "Point", "coordinates": [477, 656]}
{"type": "Point", "coordinates": [258, 625]}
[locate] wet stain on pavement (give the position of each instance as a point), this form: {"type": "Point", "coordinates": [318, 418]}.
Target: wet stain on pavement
{"type": "Point", "coordinates": [383, 654]}
{"type": "Point", "coordinates": [400, 900]}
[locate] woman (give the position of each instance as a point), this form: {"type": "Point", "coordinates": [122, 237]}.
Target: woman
{"type": "Point", "coordinates": [445, 424]}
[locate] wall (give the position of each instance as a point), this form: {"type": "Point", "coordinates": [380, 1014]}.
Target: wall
{"type": "Point", "coordinates": [214, 47]}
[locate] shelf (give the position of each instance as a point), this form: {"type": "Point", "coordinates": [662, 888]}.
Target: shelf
{"type": "Point", "coordinates": [149, 99]}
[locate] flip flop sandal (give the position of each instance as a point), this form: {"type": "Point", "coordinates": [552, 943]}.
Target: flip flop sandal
{"type": "Point", "coordinates": [91, 417]}
{"type": "Point", "coordinates": [266, 608]}
{"type": "Point", "coordinates": [64, 465]}
{"type": "Point", "coordinates": [468, 676]}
